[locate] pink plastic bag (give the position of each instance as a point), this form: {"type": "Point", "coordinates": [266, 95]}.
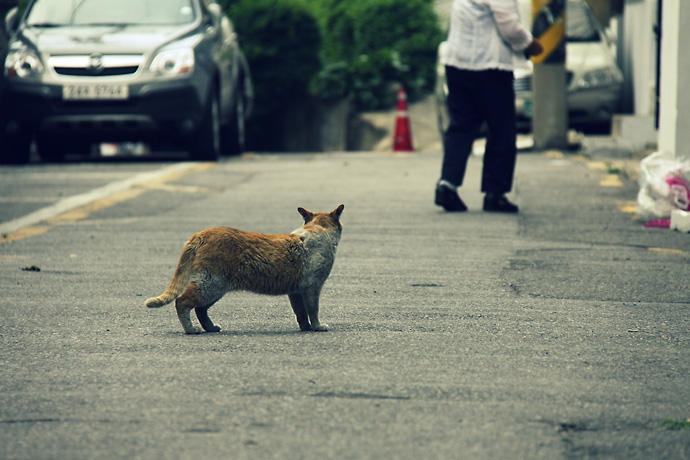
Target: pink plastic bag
{"type": "Point", "coordinates": [664, 186]}
{"type": "Point", "coordinates": [680, 191]}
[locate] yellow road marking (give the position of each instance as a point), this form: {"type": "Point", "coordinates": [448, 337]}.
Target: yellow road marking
{"type": "Point", "coordinates": [83, 212]}
{"type": "Point", "coordinates": [12, 258]}
{"type": "Point", "coordinates": [26, 232]}
{"type": "Point", "coordinates": [611, 180]}
{"type": "Point", "coordinates": [669, 251]}
{"type": "Point", "coordinates": [175, 188]}
{"type": "Point", "coordinates": [598, 165]}
{"type": "Point", "coordinates": [174, 176]}
{"type": "Point", "coordinates": [628, 207]}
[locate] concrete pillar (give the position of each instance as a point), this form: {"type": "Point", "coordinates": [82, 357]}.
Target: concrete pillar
{"type": "Point", "coordinates": [602, 10]}
{"type": "Point", "coordinates": [549, 112]}
{"type": "Point", "coordinates": [674, 103]}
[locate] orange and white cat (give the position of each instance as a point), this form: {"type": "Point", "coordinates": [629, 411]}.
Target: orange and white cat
{"type": "Point", "coordinates": [219, 260]}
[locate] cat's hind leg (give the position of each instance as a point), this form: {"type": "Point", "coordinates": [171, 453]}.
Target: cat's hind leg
{"type": "Point", "coordinates": [183, 307]}
{"type": "Point", "coordinates": [194, 298]}
{"type": "Point", "coordinates": [297, 302]}
{"type": "Point", "coordinates": [206, 323]}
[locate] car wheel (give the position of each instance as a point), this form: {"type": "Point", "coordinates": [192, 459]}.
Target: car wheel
{"type": "Point", "coordinates": [233, 135]}
{"type": "Point", "coordinates": [15, 150]}
{"type": "Point", "coordinates": [50, 148]}
{"type": "Point", "coordinates": [205, 145]}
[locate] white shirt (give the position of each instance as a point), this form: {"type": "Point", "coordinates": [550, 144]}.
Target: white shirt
{"type": "Point", "coordinates": [486, 34]}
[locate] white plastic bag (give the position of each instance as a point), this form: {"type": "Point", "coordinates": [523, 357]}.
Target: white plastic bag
{"type": "Point", "coordinates": [664, 186]}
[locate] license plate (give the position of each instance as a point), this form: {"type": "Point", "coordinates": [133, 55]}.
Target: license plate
{"type": "Point", "coordinates": [94, 92]}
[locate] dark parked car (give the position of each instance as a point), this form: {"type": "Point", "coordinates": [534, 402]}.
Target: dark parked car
{"type": "Point", "coordinates": [82, 73]}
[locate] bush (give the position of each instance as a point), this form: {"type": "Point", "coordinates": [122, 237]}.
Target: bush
{"type": "Point", "coordinates": [331, 49]}
{"type": "Point", "coordinates": [368, 46]}
{"type": "Point", "coordinates": [21, 6]}
{"type": "Point", "coordinates": [281, 41]}
{"type": "Point", "coordinates": [382, 42]}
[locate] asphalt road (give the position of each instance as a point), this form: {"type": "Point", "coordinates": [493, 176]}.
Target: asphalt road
{"type": "Point", "coordinates": [561, 332]}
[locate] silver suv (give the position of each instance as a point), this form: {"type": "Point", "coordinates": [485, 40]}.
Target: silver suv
{"type": "Point", "coordinates": [82, 73]}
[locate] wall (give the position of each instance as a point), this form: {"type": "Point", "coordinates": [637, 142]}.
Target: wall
{"type": "Point", "coordinates": [674, 135]}
{"type": "Point", "coordinates": [637, 56]}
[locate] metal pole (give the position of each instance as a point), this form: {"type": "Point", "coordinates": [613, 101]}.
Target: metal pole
{"type": "Point", "coordinates": [550, 111]}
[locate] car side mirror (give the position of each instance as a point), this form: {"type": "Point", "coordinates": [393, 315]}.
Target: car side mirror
{"type": "Point", "coordinates": [11, 21]}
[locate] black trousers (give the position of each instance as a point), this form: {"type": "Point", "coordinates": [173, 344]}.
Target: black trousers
{"type": "Point", "coordinates": [475, 97]}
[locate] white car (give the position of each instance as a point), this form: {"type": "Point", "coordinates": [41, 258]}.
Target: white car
{"type": "Point", "coordinates": [593, 80]}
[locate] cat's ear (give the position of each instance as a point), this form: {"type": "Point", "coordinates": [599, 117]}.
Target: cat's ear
{"type": "Point", "coordinates": [338, 211]}
{"type": "Point", "coordinates": [308, 215]}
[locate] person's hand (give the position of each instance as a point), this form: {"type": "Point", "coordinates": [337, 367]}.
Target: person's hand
{"type": "Point", "coordinates": [535, 48]}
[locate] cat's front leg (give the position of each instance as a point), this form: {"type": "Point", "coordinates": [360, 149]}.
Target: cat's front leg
{"type": "Point", "coordinates": [311, 301]}
{"type": "Point", "coordinates": [297, 302]}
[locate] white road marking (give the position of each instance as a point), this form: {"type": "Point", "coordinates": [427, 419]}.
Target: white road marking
{"type": "Point", "coordinates": [28, 199]}
{"type": "Point", "coordinates": [72, 202]}
{"type": "Point", "coordinates": [78, 176]}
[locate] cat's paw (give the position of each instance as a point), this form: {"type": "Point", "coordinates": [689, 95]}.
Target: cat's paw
{"type": "Point", "coordinates": [321, 328]}
{"type": "Point", "coordinates": [213, 329]}
{"type": "Point", "coordinates": [194, 330]}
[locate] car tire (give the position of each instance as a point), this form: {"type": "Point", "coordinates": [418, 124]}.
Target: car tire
{"type": "Point", "coordinates": [50, 149]}
{"type": "Point", "coordinates": [205, 144]}
{"type": "Point", "coordinates": [15, 150]}
{"type": "Point", "coordinates": [233, 134]}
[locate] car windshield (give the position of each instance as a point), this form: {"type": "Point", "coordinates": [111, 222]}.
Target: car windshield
{"type": "Point", "coordinates": [580, 26]}
{"type": "Point", "coordinates": [55, 13]}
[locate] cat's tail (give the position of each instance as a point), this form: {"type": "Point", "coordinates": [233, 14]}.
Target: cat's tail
{"type": "Point", "coordinates": [181, 278]}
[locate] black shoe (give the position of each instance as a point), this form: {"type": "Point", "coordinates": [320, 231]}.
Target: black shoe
{"type": "Point", "coordinates": [449, 199]}
{"type": "Point", "coordinates": [498, 203]}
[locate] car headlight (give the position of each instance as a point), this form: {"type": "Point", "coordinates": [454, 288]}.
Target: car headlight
{"type": "Point", "coordinates": [174, 62]}
{"type": "Point", "coordinates": [599, 77]}
{"type": "Point", "coordinates": [23, 64]}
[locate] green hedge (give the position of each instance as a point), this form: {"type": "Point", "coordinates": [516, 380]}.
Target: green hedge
{"type": "Point", "coordinates": [382, 42]}
{"type": "Point", "coordinates": [367, 45]}
{"type": "Point", "coordinates": [282, 42]}
{"type": "Point", "coordinates": [335, 48]}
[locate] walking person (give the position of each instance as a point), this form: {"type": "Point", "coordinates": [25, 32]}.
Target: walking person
{"type": "Point", "coordinates": [486, 42]}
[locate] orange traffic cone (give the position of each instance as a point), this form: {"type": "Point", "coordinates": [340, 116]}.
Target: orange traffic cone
{"type": "Point", "coordinates": [403, 134]}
